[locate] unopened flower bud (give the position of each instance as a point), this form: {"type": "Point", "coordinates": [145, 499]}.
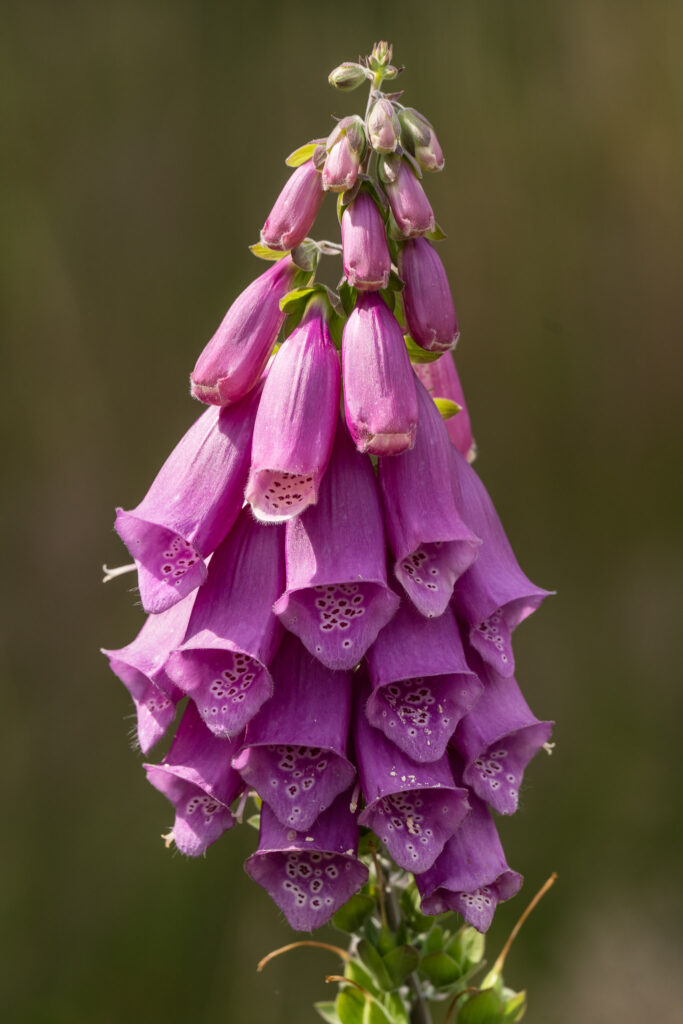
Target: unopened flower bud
{"type": "Point", "coordinates": [409, 203]}
{"type": "Point", "coordinates": [427, 298]}
{"type": "Point", "coordinates": [419, 138]}
{"type": "Point", "coordinates": [347, 76]}
{"type": "Point", "coordinates": [345, 148]}
{"type": "Point", "coordinates": [381, 54]}
{"type": "Point", "coordinates": [295, 209]}
{"type": "Point", "coordinates": [367, 261]}
{"type": "Point", "coordinates": [383, 126]}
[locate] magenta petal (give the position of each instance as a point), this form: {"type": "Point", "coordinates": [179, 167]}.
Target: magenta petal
{"type": "Point", "coordinates": [294, 752]}
{"type": "Point", "coordinates": [197, 777]}
{"type": "Point", "coordinates": [379, 385]}
{"type": "Point", "coordinates": [295, 424]}
{"type": "Point", "coordinates": [427, 300]}
{"type": "Point", "coordinates": [494, 596]}
{"type": "Point", "coordinates": [421, 682]}
{"type": "Point", "coordinates": [365, 251]}
{"type": "Point", "coordinates": [497, 739]}
{"type": "Point", "coordinates": [310, 874]}
{"type": "Point", "coordinates": [432, 544]}
{"type": "Point", "coordinates": [442, 381]}
{"type": "Point", "coordinates": [409, 204]}
{"type": "Point", "coordinates": [140, 667]}
{"type": "Point", "coordinates": [337, 599]}
{"type": "Point", "coordinates": [234, 359]}
{"type": "Point", "coordinates": [413, 808]}
{"type": "Point", "coordinates": [190, 506]}
{"type": "Point", "coordinates": [471, 876]}
{"type": "Point", "coordinates": [233, 634]}
{"type": "Point", "coordinates": [295, 209]}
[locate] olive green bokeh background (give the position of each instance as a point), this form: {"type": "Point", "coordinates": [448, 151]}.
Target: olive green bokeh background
{"type": "Point", "coordinates": [143, 148]}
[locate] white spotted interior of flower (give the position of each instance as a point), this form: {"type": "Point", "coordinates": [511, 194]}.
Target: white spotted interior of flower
{"type": "Point", "coordinates": [420, 568]}
{"type": "Point", "coordinates": [491, 638]}
{"type": "Point", "coordinates": [415, 825]}
{"type": "Point", "coordinates": [338, 604]}
{"type": "Point", "coordinates": [177, 559]}
{"type": "Point", "coordinates": [492, 772]}
{"type": "Point", "coordinates": [233, 683]}
{"type": "Point", "coordinates": [311, 878]}
{"type": "Point", "coordinates": [232, 686]}
{"type": "Point", "coordinates": [205, 804]}
{"type": "Point", "coordinates": [412, 712]}
{"type": "Point", "coordinates": [285, 494]}
{"type": "Point", "coordinates": [496, 776]}
{"type": "Point", "coordinates": [481, 899]}
{"type": "Point", "coordinates": [157, 702]}
{"type": "Point", "coordinates": [297, 782]}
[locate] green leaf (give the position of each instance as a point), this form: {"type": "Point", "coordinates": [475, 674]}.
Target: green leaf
{"type": "Point", "coordinates": [486, 1007]}
{"type": "Point", "coordinates": [447, 408]}
{"type": "Point", "coordinates": [434, 943]}
{"type": "Point", "coordinates": [389, 297]}
{"type": "Point", "coordinates": [349, 1006]}
{"type": "Point", "coordinates": [306, 256]}
{"type": "Point", "coordinates": [353, 913]}
{"type": "Point", "coordinates": [410, 901]}
{"type": "Point", "coordinates": [395, 282]}
{"type": "Point", "coordinates": [401, 962]}
{"type": "Point", "coordinates": [467, 948]}
{"type": "Point", "coordinates": [298, 296]}
{"type": "Point", "coordinates": [386, 940]}
{"type": "Point", "coordinates": [396, 1008]}
{"type": "Point", "coordinates": [440, 969]}
{"type": "Point", "coordinates": [327, 1012]}
{"type": "Point", "coordinates": [515, 1007]}
{"type": "Point", "coordinates": [437, 235]}
{"type": "Point", "coordinates": [373, 1013]}
{"type": "Point", "coordinates": [417, 354]}
{"type": "Point", "coordinates": [264, 253]}
{"type": "Point", "coordinates": [348, 296]}
{"type": "Point", "coordinates": [355, 972]}
{"type": "Point", "coordinates": [374, 963]}
{"type": "Point", "coordinates": [303, 153]}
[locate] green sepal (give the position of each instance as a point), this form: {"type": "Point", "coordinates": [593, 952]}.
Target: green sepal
{"type": "Point", "coordinates": [336, 326]}
{"type": "Point", "coordinates": [375, 964]}
{"type": "Point", "coordinates": [515, 1007]}
{"type": "Point", "coordinates": [306, 256]}
{"type": "Point", "coordinates": [401, 962]}
{"type": "Point", "coordinates": [349, 1006]}
{"type": "Point", "coordinates": [486, 1007]}
{"type": "Point", "coordinates": [386, 941]}
{"type": "Point", "coordinates": [356, 972]}
{"type": "Point", "coordinates": [418, 354]}
{"type": "Point", "coordinates": [328, 1012]}
{"type": "Point", "coordinates": [396, 1008]}
{"type": "Point", "coordinates": [254, 821]}
{"type": "Point", "coordinates": [393, 230]}
{"type": "Point", "coordinates": [389, 297]}
{"type": "Point", "coordinates": [437, 234]}
{"type": "Point", "coordinates": [447, 407]}
{"type": "Point", "coordinates": [348, 296]}
{"type": "Point", "coordinates": [353, 914]}
{"type": "Point", "coordinates": [265, 253]}
{"type": "Point", "coordinates": [440, 969]}
{"type": "Point", "coordinates": [395, 283]}
{"type": "Point", "coordinates": [434, 943]}
{"type": "Point", "coordinates": [374, 1013]}
{"type": "Point", "coordinates": [467, 948]}
{"type": "Point", "coordinates": [298, 297]}
{"type": "Point", "coordinates": [303, 153]}
{"type": "Point", "coordinates": [410, 901]}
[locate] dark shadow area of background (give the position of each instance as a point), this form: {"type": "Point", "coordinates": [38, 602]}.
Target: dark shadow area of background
{"type": "Point", "coordinates": [144, 145]}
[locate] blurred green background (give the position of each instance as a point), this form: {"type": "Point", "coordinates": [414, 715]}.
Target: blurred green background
{"type": "Point", "coordinates": [143, 146]}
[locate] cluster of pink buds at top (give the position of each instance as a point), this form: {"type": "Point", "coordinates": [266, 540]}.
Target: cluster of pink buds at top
{"type": "Point", "coordinates": [331, 595]}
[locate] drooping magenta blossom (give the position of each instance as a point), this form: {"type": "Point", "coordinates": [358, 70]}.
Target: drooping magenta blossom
{"type": "Point", "coordinates": [295, 423]}
{"type": "Point", "coordinates": [140, 667]}
{"type": "Point", "coordinates": [337, 599]}
{"type": "Point", "coordinates": [427, 299]}
{"type": "Point", "coordinates": [295, 209]}
{"type": "Point", "coordinates": [234, 359]}
{"type": "Point", "coordinates": [295, 749]}
{"type": "Point", "coordinates": [345, 146]}
{"type": "Point", "coordinates": [421, 682]}
{"type": "Point", "coordinates": [198, 778]}
{"type": "Point", "coordinates": [420, 139]}
{"type": "Point", "coordinates": [494, 596]}
{"type": "Point", "coordinates": [431, 542]}
{"type": "Point", "coordinates": [441, 380]}
{"type": "Point", "coordinates": [233, 633]}
{"type": "Point", "coordinates": [309, 874]}
{"type": "Point", "coordinates": [191, 505]}
{"type": "Point", "coordinates": [380, 400]}
{"type": "Point", "coordinates": [365, 251]}
{"type": "Point", "coordinates": [409, 204]}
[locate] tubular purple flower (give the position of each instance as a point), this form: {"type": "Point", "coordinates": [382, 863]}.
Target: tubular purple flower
{"type": "Point", "coordinates": [345, 147]}
{"type": "Point", "coordinates": [295, 209]}
{"type": "Point", "coordinates": [233, 361]}
{"type": "Point", "coordinates": [309, 874]}
{"type": "Point", "coordinates": [412, 808]}
{"type": "Point", "coordinates": [294, 752]}
{"type": "Point", "coordinates": [337, 599]}
{"type": "Point", "coordinates": [191, 505]}
{"type": "Point", "coordinates": [432, 544]}
{"type": "Point", "coordinates": [380, 399]}
{"type": "Point", "coordinates": [197, 777]}
{"type": "Point", "coordinates": [233, 634]}
{"type": "Point", "coordinates": [497, 739]}
{"type": "Point", "coordinates": [427, 298]}
{"type": "Point", "coordinates": [140, 667]}
{"type": "Point", "coordinates": [471, 876]}
{"type": "Point", "coordinates": [441, 380]}
{"type": "Point", "coordinates": [409, 204]}
{"type": "Point", "coordinates": [420, 139]}
{"type": "Point", "coordinates": [421, 682]}
{"type": "Point", "coordinates": [383, 126]}
{"type": "Point", "coordinates": [295, 424]}
{"type": "Point", "coordinates": [365, 251]}
{"type": "Point", "coordinates": [494, 596]}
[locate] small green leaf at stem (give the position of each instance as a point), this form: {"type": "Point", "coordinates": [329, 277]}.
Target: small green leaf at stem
{"type": "Point", "coordinates": [440, 969]}
{"type": "Point", "coordinates": [352, 915]}
{"type": "Point", "coordinates": [328, 1012]}
{"type": "Point", "coordinates": [486, 1007]}
{"type": "Point", "coordinates": [265, 253]}
{"type": "Point", "coordinates": [437, 234]}
{"type": "Point", "coordinates": [303, 153]}
{"type": "Point", "coordinates": [447, 407]}
{"type": "Point", "coordinates": [375, 964]}
{"type": "Point", "coordinates": [401, 962]}
{"type": "Point", "coordinates": [418, 354]}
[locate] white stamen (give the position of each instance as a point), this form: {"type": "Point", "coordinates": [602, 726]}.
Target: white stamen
{"type": "Point", "coordinates": [168, 839]}
{"type": "Point", "coordinates": [353, 806]}
{"type": "Point", "coordinates": [548, 747]}
{"type": "Point", "coordinates": [110, 574]}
